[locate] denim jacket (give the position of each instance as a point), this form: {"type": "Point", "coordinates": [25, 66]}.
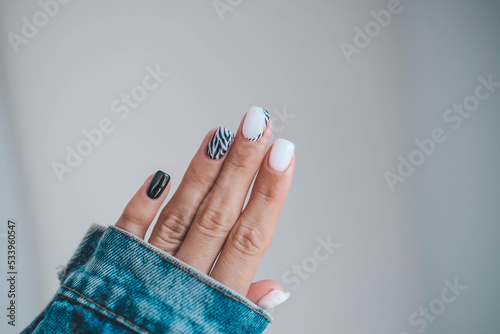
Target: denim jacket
{"type": "Point", "coordinates": [118, 283]}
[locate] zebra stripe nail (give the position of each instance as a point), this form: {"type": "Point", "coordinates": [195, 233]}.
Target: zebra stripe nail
{"type": "Point", "coordinates": [255, 123]}
{"type": "Point", "coordinates": [219, 143]}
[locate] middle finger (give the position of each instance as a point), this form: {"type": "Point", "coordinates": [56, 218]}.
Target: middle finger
{"type": "Point", "coordinates": [223, 205]}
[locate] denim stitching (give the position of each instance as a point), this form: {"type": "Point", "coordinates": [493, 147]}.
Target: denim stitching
{"type": "Point", "coordinates": [116, 315]}
{"type": "Point", "coordinates": [198, 278]}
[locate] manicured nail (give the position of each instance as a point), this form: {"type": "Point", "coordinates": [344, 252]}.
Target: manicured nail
{"type": "Point", "coordinates": [219, 144]}
{"type": "Point", "coordinates": [281, 154]}
{"type": "Point", "coordinates": [158, 184]}
{"type": "Point", "coordinates": [273, 299]}
{"type": "Point", "coordinates": [255, 123]}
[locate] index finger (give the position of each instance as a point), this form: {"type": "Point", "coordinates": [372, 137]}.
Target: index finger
{"type": "Point", "coordinates": [251, 236]}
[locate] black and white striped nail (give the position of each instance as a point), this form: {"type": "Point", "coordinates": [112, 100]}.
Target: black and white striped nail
{"type": "Point", "coordinates": [219, 143]}
{"type": "Point", "coordinates": [255, 123]}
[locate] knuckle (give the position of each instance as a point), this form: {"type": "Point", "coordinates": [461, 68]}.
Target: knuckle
{"type": "Point", "coordinates": [169, 235]}
{"type": "Point", "coordinates": [214, 221]}
{"type": "Point", "coordinates": [268, 194]}
{"type": "Point", "coordinates": [170, 231]}
{"type": "Point", "coordinates": [248, 241]}
{"type": "Point", "coordinates": [165, 241]}
{"type": "Point", "coordinates": [173, 227]}
{"type": "Point", "coordinates": [130, 216]}
{"type": "Point", "coordinates": [241, 160]}
{"type": "Point", "coordinates": [198, 177]}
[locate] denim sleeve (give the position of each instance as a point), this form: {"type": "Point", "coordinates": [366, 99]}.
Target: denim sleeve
{"type": "Point", "coordinates": [118, 283]}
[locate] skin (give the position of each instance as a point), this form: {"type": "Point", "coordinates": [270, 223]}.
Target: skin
{"type": "Point", "coordinates": [206, 215]}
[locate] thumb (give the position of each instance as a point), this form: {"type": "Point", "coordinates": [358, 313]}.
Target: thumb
{"type": "Point", "coordinates": [267, 294]}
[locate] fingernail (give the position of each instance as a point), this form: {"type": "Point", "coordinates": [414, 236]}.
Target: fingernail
{"type": "Point", "coordinates": [219, 143]}
{"type": "Point", "coordinates": [281, 154]}
{"type": "Point", "coordinates": [255, 123]}
{"type": "Point", "coordinates": [272, 299]}
{"type": "Point", "coordinates": [158, 184]}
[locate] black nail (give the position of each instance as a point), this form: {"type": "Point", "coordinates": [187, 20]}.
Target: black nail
{"type": "Point", "coordinates": [158, 184]}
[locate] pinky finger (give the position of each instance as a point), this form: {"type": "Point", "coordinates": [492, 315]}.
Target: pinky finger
{"type": "Point", "coordinates": [142, 208]}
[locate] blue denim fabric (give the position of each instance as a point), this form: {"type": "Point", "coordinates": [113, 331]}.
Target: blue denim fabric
{"type": "Point", "coordinates": [118, 283]}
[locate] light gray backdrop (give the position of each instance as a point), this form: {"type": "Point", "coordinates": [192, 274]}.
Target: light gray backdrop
{"type": "Point", "coordinates": [354, 104]}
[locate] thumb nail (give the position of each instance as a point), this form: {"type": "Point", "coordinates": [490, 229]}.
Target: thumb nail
{"type": "Point", "coordinates": [272, 299]}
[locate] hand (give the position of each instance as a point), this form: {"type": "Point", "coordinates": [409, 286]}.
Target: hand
{"type": "Point", "coordinates": [205, 217]}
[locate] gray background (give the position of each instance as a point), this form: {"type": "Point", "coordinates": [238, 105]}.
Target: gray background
{"type": "Point", "coordinates": [349, 120]}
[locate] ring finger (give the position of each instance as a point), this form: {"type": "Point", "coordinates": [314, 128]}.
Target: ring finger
{"type": "Point", "coordinates": [176, 217]}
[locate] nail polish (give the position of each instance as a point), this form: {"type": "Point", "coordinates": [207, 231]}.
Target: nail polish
{"type": "Point", "coordinates": [272, 299]}
{"type": "Point", "coordinates": [219, 143]}
{"type": "Point", "coordinates": [158, 184]}
{"type": "Point", "coordinates": [281, 154]}
{"type": "Point", "coordinates": [255, 123]}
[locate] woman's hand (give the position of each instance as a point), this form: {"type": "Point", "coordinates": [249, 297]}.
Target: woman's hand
{"type": "Point", "coordinates": [204, 221]}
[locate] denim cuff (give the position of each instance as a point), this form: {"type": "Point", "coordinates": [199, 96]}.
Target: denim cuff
{"type": "Point", "coordinates": [146, 290]}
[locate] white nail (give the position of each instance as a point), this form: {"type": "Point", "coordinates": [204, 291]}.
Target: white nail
{"type": "Point", "coordinates": [273, 299]}
{"type": "Point", "coordinates": [281, 154]}
{"type": "Point", "coordinates": [255, 123]}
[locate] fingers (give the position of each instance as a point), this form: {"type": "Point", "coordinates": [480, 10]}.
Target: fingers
{"type": "Point", "coordinates": [252, 234]}
{"type": "Point", "coordinates": [175, 219]}
{"type": "Point", "coordinates": [223, 204]}
{"type": "Point", "coordinates": [204, 220]}
{"type": "Point", "coordinates": [267, 294]}
{"type": "Point", "coordinates": [142, 208]}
